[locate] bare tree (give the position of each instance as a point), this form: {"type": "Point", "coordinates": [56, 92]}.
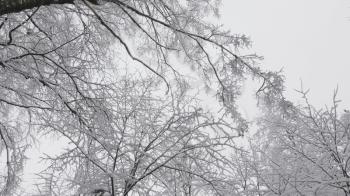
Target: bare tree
{"type": "Point", "coordinates": [58, 60]}
{"type": "Point", "coordinates": [144, 145]}
{"type": "Point", "coordinates": [303, 151]}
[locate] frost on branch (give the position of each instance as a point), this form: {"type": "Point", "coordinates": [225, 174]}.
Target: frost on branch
{"type": "Point", "coordinates": [301, 151]}
{"type": "Point", "coordinates": [141, 143]}
{"type": "Point", "coordinates": [60, 62]}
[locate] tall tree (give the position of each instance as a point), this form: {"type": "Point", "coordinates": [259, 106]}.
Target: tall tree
{"type": "Point", "coordinates": [60, 58]}
{"type": "Point", "coordinates": [141, 144]}
{"type": "Point", "coordinates": [303, 151]}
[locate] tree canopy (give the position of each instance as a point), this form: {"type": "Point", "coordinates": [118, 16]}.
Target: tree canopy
{"type": "Point", "coordinates": [110, 78]}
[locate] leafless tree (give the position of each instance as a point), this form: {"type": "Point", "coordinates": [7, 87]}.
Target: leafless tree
{"type": "Point", "coordinates": [59, 60]}
{"type": "Point", "coordinates": [303, 151]}
{"type": "Point", "coordinates": [144, 144]}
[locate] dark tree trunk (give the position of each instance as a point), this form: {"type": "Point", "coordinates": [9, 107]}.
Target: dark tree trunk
{"type": "Point", "coordinates": [13, 6]}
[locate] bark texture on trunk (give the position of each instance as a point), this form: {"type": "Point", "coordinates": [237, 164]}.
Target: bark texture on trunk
{"type": "Point", "coordinates": [13, 6]}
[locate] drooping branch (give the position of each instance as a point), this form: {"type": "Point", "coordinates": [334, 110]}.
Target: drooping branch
{"type": "Point", "coordinates": [13, 6]}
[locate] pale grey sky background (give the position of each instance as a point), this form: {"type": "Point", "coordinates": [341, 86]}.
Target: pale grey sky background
{"type": "Point", "coordinates": [309, 39]}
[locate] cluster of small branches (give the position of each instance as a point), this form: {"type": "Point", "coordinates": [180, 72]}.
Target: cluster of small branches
{"type": "Point", "coordinates": [298, 150]}
{"type": "Point", "coordinates": [60, 63]}
{"type": "Point", "coordinates": [141, 143]}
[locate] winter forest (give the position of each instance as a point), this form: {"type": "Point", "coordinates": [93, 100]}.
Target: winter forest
{"type": "Point", "coordinates": [144, 98]}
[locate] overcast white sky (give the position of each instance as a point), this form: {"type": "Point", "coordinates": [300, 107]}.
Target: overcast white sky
{"type": "Point", "coordinates": [309, 39]}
